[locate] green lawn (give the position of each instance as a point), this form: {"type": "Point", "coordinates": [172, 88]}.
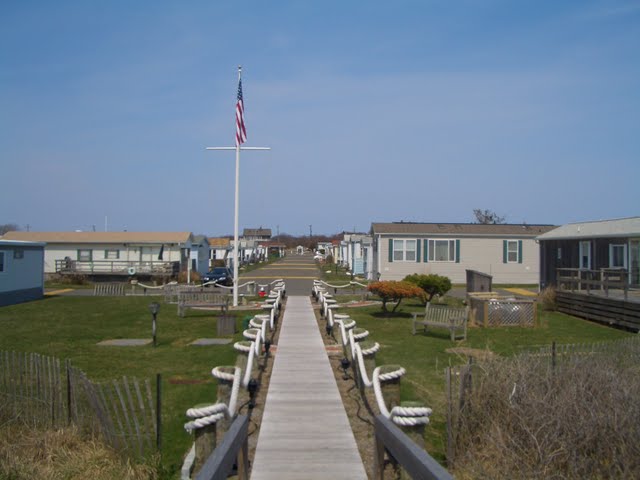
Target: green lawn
{"type": "Point", "coordinates": [70, 327]}
{"type": "Point", "coordinates": [424, 355]}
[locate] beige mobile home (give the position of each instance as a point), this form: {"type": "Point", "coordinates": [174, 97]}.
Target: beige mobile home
{"type": "Point", "coordinates": [509, 253]}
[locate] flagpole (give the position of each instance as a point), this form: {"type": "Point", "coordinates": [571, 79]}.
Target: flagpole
{"type": "Point", "coordinates": [235, 221]}
{"type": "Point", "coordinates": [237, 148]}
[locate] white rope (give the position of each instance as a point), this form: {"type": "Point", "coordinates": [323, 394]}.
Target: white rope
{"type": "Point", "coordinates": [155, 287]}
{"type": "Point", "coordinates": [242, 348]}
{"type": "Point", "coordinates": [350, 284]}
{"type": "Point", "coordinates": [210, 414]}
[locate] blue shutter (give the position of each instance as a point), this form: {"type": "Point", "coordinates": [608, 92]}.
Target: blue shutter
{"type": "Point", "coordinates": [417, 250]}
{"type": "Point", "coordinates": [390, 250]}
{"type": "Point", "coordinates": [425, 253]}
{"type": "Point", "coordinates": [519, 251]}
{"type": "Point", "coordinates": [504, 251]}
{"type": "Point", "coordinates": [457, 251]}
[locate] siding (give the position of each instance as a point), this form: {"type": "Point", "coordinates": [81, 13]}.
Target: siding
{"type": "Point", "coordinates": [22, 275]}
{"type": "Point", "coordinates": [481, 254]}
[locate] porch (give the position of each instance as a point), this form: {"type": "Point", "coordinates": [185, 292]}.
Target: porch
{"type": "Point", "coordinates": [118, 267]}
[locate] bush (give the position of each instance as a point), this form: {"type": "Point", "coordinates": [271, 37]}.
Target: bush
{"type": "Point", "coordinates": [392, 291]}
{"type": "Point", "coordinates": [547, 299]}
{"type": "Point", "coordinates": [183, 276]}
{"type": "Point", "coordinates": [431, 285]}
{"type": "Point", "coordinates": [525, 419]}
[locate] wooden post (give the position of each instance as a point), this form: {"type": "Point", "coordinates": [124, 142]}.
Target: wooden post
{"type": "Point", "coordinates": [391, 388]}
{"type": "Point", "coordinates": [378, 469]}
{"type": "Point", "coordinates": [450, 435]}
{"type": "Point", "coordinates": [159, 412]}
{"type": "Point", "coordinates": [224, 396]}
{"type": "Point", "coordinates": [205, 440]}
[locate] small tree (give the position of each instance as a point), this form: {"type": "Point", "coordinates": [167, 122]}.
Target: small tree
{"type": "Point", "coordinates": [393, 291]}
{"type": "Point", "coordinates": [431, 285]}
{"type": "Point", "coordinates": [487, 217]}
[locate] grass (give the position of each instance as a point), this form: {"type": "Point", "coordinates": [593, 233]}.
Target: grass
{"type": "Point", "coordinates": [424, 355]}
{"type": "Point", "coordinates": [71, 327]}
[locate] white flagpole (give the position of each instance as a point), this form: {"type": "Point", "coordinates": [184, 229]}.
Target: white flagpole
{"type": "Point", "coordinates": [236, 262]}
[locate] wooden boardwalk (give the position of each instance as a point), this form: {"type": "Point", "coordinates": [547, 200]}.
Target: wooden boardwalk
{"type": "Point", "coordinates": [305, 432]}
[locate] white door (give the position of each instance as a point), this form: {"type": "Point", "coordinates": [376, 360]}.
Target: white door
{"type": "Point", "coordinates": [585, 255]}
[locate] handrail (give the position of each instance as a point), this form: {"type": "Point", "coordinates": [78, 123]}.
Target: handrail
{"type": "Point", "coordinates": [234, 446]}
{"type": "Point", "coordinates": [417, 462]}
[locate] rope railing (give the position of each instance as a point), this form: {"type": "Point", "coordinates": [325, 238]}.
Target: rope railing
{"type": "Point", "coordinates": [350, 336]}
{"type": "Point", "coordinates": [346, 285]}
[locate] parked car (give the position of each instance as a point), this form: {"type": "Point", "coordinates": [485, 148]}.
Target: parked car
{"type": "Point", "coordinates": [220, 275]}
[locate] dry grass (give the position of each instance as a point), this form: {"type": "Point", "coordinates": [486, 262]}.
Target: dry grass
{"type": "Point", "coordinates": [27, 453]}
{"type": "Point", "coordinates": [526, 419]}
{"type": "Point", "coordinates": [547, 299]}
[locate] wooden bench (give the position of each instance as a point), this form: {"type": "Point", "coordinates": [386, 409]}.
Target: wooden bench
{"type": "Point", "coordinates": [452, 318]}
{"type": "Point", "coordinates": [201, 299]}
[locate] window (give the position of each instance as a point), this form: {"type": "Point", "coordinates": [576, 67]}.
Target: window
{"type": "Point", "coordinates": [404, 250]}
{"type": "Point", "coordinates": [442, 250]}
{"type": "Point", "coordinates": [112, 254]}
{"type": "Point", "coordinates": [1, 262]}
{"type": "Point", "coordinates": [618, 256]}
{"type": "Point", "coordinates": [85, 255]}
{"type": "Point", "coordinates": [512, 251]}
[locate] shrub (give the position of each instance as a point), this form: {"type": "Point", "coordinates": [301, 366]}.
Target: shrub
{"type": "Point", "coordinates": [525, 419]}
{"type": "Point", "coordinates": [392, 291]}
{"type": "Point", "coordinates": [183, 277]}
{"type": "Point", "coordinates": [547, 299]}
{"type": "Point", "coordinates": [431, 285]}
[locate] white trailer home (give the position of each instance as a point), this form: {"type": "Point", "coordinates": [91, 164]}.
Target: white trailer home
{"type": "Point", "coordinates": [21, 271]}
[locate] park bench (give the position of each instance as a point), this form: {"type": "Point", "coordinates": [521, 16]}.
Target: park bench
{"type": "Point", "coordinates": [452, 318]}
{"type": "Point", "coordinates": [201, 299]}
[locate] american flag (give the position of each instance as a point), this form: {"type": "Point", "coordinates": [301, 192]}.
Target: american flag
{"type": "Point", "coordinates": [241, 132]}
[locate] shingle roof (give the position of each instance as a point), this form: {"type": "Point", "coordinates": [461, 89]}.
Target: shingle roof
{"type": "Point", "coordinates": [100, 237]}
{"type": "Point", "coordinates": [219, 242]}
{"type": "Point", "coordinates": [621, 227]}
{"type": "Point", "coordinates": [459, 229]}
{"type": "Point", "coordinates": [256, 232]}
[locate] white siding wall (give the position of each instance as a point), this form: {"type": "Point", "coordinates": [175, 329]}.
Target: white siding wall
{"type": "Point", "coordinates": [481, 254]}
{"type": "Point", "coordinates": [22, 273]}
{"type": "Point", "coordinates": [55, 252]}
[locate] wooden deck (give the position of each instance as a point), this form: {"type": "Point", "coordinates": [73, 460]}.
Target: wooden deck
{"type": "Point", "coordinates": [305, 432]}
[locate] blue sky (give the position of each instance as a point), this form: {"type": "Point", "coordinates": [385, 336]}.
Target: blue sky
{"type": "Point", "coordinates": [375, 112]}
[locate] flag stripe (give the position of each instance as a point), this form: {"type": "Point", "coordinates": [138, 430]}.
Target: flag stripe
{"type": "Point", "coordinates": [241, 132]}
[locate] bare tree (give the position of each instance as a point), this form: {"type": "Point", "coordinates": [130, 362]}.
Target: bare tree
{"type": "Point", "coordinates": [488, 217]}
{"type": "Point", "coordinates": [8, 227]}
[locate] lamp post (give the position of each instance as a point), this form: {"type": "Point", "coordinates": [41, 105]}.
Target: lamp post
{"type": "Point", "coordinates": [154, 308]}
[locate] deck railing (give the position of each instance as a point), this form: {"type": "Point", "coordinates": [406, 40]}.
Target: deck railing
{"type": "Point", "coordinates": [234, 449]}
{"type": "Point", "coordinates": [117, 267]}
{"type": "Point", "coordinates": [582, 279]}
{"type": "Point", "coordinates": [417, 462]}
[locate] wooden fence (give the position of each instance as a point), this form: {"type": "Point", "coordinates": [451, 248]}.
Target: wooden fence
{"type": "Point", "coordinates": [109, 289]}
{"type": "Point", "coordinates": [38, 390]}
{"type": "Point", "coordinates": [604, 279]}
{"type": "Point", "coordinates": [592, 307]}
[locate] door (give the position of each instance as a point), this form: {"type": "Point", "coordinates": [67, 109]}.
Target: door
{"type": "Point", "coordinates": [585, 255]}
{"type": "Point", "coordinates": [634, 263]}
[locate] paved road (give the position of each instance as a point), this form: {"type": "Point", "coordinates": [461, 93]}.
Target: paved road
{"type": "Point", "coordinates": [298, 272]}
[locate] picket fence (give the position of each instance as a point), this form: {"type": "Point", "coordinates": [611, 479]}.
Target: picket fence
{"type": "Point", "coordinates": [43, 391]}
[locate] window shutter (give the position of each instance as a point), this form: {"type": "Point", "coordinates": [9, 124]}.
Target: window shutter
{"type": "Point", "coordinates": [457, 251]}
{"type": "Point", "coordinates": [504, 251]}
{"type": "Point", "coordinates": [425, 253]}
{"type": "Point", "coordinates": [417, 250]}
{"type": "Point", "coordinates": [519, 251]}
{"type": "Point", "coordinates": [390, 250]}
